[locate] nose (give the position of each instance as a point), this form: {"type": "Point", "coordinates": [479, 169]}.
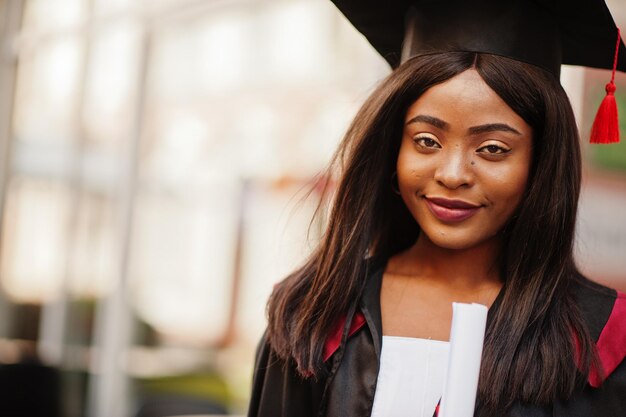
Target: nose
{"type": "Point", "coordinates": [454, 170]}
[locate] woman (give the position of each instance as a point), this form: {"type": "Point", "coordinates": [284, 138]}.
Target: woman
{"type": "Point", "coordinates": [460, 181]}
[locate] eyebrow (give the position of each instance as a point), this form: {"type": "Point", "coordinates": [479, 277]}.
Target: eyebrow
{"type": "Point", "coordinates": [492, 127]}
{"type": "Point", "coordinates": [431, 120]}
{"type": "Point", "coordinates": [474, 130]}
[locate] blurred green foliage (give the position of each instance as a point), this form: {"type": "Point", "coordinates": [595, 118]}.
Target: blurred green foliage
{"type": "Point", "coordinates": [204, 385]}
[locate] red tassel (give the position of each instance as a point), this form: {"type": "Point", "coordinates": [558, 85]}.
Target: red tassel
{"type": "Point", "coordinates": [606, 125]}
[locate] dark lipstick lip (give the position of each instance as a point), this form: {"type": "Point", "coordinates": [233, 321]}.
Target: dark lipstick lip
{"type": "Point", "coordinates": [450, 215]}
{"type": "Point", "coordinates": [452, 204]}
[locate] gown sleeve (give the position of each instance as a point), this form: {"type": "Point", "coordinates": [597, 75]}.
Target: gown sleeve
{"type": "Point", "coordinates": [277, 389]}
{"type": "Point", "coordinates": [608, 400]}
{"type": "Point", "coordinates": [605, 311]}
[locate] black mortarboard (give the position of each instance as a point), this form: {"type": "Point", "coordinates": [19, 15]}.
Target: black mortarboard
{"type": "Point", "coordinates": [545, 33]}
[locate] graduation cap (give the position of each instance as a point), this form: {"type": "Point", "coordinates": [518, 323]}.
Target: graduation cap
{"type": "Point", "coordinates": [545, 33]}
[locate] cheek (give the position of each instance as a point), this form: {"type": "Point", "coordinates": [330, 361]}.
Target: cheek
{"type": "Point", "coordinates": [404, 159]}
{"type": "Point", "coordinates": [508, 188]}
{"type": "Point", "coordinates": [411, 179]}
{"type": "Point", "coordinates": [405, 170]}
{"type": "Point", "coordinates": [411, 169]}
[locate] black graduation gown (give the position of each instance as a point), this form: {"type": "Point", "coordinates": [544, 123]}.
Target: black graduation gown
{"type": "Point", "coordinates": [352, 359]}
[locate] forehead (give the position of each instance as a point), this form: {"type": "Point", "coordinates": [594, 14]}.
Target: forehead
{"type": "Point", "coordinates": [464, 100]}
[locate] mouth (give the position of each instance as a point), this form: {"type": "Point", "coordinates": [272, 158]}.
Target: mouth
{"type": "Point", "coordinates": [451, 211]}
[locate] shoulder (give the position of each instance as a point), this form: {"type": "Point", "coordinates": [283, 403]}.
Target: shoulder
{"type": "Point", "coordinates": [596, 303]}
{"type": "Point", "coordinates": [278, 390]}
{"type": "Point", "coordinates": [604, 312]}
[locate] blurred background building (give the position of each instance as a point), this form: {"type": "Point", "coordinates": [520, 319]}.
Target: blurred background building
{"type": "Point", "coordinates": [154, 161]}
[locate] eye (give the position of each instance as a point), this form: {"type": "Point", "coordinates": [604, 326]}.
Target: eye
{"type": "Point", "coordinates": [426, 142]}
{"type": "Point", "coordinates": [493, 150]}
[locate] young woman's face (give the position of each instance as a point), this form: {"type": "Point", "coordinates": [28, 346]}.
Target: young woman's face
{"type": "Point", "coordinates": [464, 162]}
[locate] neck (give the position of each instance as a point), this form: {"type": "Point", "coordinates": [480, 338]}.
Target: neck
{"type": "Point", "coordinates": [461, 268]}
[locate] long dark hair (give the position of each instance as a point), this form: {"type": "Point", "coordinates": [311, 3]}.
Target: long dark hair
{"type": "Point", "coordinates": [529, 352]}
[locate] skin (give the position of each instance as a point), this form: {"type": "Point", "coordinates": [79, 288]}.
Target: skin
{"type": "Point", "coordinates": [460, 142]}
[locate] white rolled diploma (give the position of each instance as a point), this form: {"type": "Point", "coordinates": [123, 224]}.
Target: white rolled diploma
{"type": "Point", "coordinates": [466, 347]}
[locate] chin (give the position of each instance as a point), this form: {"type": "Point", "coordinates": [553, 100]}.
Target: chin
{"type": "Point", "coordinates": [458, 241]}
{"type": "Point", "coordinates": [454, 244]}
